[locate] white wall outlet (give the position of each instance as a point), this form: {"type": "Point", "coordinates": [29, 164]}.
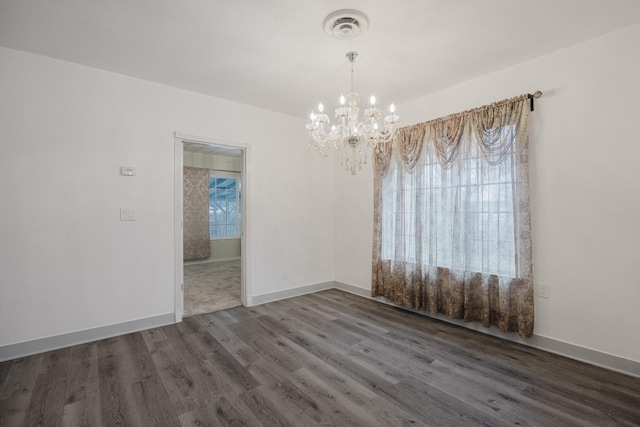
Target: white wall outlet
{"type": "Point", "coordinates": [544, 290]}
{"type": "Point", "coordinates": [127, 171]}
{"type": "Point", "coordinates": [127, 214]}
{"type": "Point", "coordinates": [285, 275]}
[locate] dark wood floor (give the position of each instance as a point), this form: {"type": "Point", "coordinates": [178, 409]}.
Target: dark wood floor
{"type": "Point", "coordinates": [330, 358]}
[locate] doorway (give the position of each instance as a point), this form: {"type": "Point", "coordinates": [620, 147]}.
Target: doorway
{"type": "Point", "coordinates": [210, 225]}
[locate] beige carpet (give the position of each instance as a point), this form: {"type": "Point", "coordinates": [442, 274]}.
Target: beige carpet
{"type": "Point", "coordinates": [211, 287]}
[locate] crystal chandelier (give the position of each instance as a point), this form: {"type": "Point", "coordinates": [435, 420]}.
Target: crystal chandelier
{"type": "Point", "coordinates": [350, 137]}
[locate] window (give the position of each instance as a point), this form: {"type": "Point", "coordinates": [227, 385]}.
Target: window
{"type": "Point", "coordinates": [463, 215]}
{"type": "Point", "coordinates": [225, 212]}
{"type": "Point", "coordinates": [459, 217]}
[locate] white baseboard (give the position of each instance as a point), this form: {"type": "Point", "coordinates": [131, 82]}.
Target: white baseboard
{"type": "Point", "coordinates": [27, 348]}
{"type": "Point", "coordinates": [353, 289]}
{"type": "Point", "coordinates": [290, 293]}
{"type": "Point", "coordinates": [572, 351]}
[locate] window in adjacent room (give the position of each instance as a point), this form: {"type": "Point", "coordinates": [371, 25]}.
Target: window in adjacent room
{"type": "Point", "coordinates": [225, 212]}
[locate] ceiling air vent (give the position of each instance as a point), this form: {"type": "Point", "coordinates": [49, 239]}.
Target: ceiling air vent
{"type": "Point", "coordinates": [345, 24]}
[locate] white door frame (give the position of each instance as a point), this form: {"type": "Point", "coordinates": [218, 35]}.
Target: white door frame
{"type": "Point", "coordinates": [245, 287]}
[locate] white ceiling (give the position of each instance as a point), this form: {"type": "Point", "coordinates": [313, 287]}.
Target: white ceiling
{"type": "Point", "coordinates": [275, 55]}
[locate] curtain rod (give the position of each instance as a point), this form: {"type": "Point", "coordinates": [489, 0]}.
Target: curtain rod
{"type": "Point", "coordinates": [536, 94]}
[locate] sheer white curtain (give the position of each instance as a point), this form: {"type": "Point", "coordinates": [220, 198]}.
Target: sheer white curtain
{"type": "Point", "coordinates": [452, 228]}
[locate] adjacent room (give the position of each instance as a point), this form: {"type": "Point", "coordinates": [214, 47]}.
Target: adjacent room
{"type": "Point", "coordinates": [212, 224]}
{"type": "Point", "coordinates": [319, 213]}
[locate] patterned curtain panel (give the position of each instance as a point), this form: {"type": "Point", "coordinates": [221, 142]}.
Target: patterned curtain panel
{"type": "Point", "coordinates": [196, 214]}
{"type": "Point", "coordinates": [451, 218]}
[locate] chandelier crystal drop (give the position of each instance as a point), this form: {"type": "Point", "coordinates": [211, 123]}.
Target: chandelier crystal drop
{"type": "Point", "coordinates": [350, 137]}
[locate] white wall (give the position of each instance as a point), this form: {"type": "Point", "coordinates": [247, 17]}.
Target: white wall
{"type": "Point", "coordinates": [585, 194]}
{"type": "Point", "coordinates": [67, 263]}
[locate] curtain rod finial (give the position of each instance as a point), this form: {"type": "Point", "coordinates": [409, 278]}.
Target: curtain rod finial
{"type": "Point", "coordinates": [537, 94]}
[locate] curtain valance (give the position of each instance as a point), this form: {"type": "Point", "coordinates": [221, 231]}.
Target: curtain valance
{"type": "Point", "coordinates": [487, 124]}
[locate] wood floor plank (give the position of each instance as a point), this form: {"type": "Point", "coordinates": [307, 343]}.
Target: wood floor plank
{"type": "Point", "coordinates": [389, 414]}
{"type": "Point", "coordinates": [558, 409]}
{"type": "Point", "coordinates": [185, 345]}
{"type": "Point", "coordinates": [82, 381]}
{"type": "Point", "coordinates": [222, 359]}
{"type": "Point", "coordinates": [422, 355]}
{"type": "Point", "coordinates": [210, 381]}
{"type": "Point", "coordinates": [234, 345]}
{"type": "Point", "coordinates": [438, 406]}
{"type": "Point", "coordinates": [189, 326]}
{"type": "Point", "coordinates": [4, 371]}
{"type": "Point", "coordinates": [481, 392]}
{"type": "Point", "coordinates": [290, 399]}
{"type": "Point", "coordinates": [347, 386]}
{"type": "Point", "coordinates": [55, 364]}
{"type": "Point", "coordinates": [198, 418]}
{"type": "Point", "coordinates": [114, 396]}
{"type": "Point", "coordinates": [335, 351]}
{"type": "Point", "coordinates": [21, 376]}
{"type": "Point", "coordinates": [329, 358]}
{"type": "Point", "coordinates": [221, 318]}
{"type": "Point", "coordinates": [243, 313]}
{"type": "Point", "coordinates": [82, 413]}
{"type": "Point", "coordinates": [233, 413]}
{"type": "Point", "coordinates": [220, 411]}
{"type": "Point", "coordinates": [270, 411]}
{"type": "Point", "coordinates": [177, 380]}
{"type": "Point", "coordinates": [326, 328]}
{"type": "Point", "coordinates": [326, 334]}
{"type": "Point", "coordinates": [327, 398]}
{"type": "Point", "coordinates": [152, 403]}
{"type": "Point", "coordinates": [305, 303]}
{"type": "Point", "coordinates": [154, 338]}
{"type": "Point", "coordinates": [47, 402]}
{"type": "Point", "coordinates": [493, 363]}
{"type": "Point", "coordinates": [13, 410]}
{"type": "Point", "coordinates": [273, 369]}
{"type": "Point", "coordinates": [265, 346]}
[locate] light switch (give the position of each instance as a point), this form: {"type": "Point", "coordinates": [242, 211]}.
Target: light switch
{"type": "Point", "coordinates": [128, 171]}
{"type": "Point", "coordinates": [127, 214]}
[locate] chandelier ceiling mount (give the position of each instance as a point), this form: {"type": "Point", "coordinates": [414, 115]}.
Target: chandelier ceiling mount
{"type": "Point", "coordinates": [345, 24]}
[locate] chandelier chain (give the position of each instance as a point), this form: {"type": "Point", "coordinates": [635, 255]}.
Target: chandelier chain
{"type": "Point", "coordinates": [352, 76]}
